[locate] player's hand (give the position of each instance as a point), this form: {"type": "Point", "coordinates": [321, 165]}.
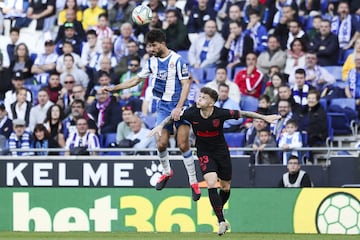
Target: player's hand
{"type": "Point", "coordinates": [155, 130]}
{"type": "Point", "coordinates": [175, 113]}
{"type": "Point", "coordinates": [105, 89]}
{"type": "Point", "coordinates": [271, 118]}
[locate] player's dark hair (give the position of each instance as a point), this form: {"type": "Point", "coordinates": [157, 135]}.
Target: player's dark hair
{"type": "Point", "coordinates": [155, 35]}
{"type": "Point", "coordinates": [211, 92]}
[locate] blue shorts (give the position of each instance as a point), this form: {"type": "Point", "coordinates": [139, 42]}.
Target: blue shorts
{"type": "Point", "coordinates": [163, 111]}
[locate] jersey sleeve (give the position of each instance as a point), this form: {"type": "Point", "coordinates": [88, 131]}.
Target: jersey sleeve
{"type": "Point", "coordinates": [145, 71]}
{"type": "Point", "coordinates": [182, 69]}
{"type": "Point", "coordinates": [230, 114]}
{"type": "Point", "coordinates": [187, 113]}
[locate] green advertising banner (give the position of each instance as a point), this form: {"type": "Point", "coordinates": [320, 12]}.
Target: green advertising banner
{"type": "Point", "coordinates": [313, 210]}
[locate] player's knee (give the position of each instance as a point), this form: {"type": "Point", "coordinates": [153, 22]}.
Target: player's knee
{"type": "Point", "coordinates": [183, 146]}
{"type": "Point", "coordinates": [225, 186]}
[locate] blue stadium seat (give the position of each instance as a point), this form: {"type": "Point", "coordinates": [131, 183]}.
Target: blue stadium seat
{"type": "Point", "coordinates": [108, 139]}
{"type": "Point", "coordinates": [184, 54]}
{"type": "Point", "coordinates": [149, 121]}
{"type": "Point", "coordinates": [323, 103]}
{"type": "Point", "coordinates": [248, 103]}
{"type": "Point", "coordinates": [336, 71]}
{"type": "Point", "coordinates": [209, 74]}
{"type": "Point", "coordinates": [199, 74]}
{"type": "Point", "coordinates": [34, 89]}
{"type": "Point", "coordinates": [235, 139]}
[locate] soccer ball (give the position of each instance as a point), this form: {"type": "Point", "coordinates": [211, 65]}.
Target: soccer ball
{"type": "Point", "coordinates": [339, 213]}
{"type": "Point", "coordinates": [141, 15]}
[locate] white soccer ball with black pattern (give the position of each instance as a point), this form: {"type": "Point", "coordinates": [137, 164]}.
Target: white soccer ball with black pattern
{"type": "Point", "coordinates": [141, 15]}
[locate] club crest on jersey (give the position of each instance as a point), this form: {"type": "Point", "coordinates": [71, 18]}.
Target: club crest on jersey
{"type": "Point", "coordinates": [162, 75]}
{"type": "Point", "coordinates": [216, 122]}
{"type": "Point", "coordinates": [184, 69]}
{"type": "Point", "coordinates": [171, 65]}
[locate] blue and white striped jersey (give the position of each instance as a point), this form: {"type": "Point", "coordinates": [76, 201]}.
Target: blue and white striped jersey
{"type": "Point", "coordinates": [167, 73]}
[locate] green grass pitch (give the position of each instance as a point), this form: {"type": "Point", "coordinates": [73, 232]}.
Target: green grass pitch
{"type": "Point", "coordinates": [167, 236]}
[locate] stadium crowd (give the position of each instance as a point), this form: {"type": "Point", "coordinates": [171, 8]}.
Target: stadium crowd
{"type": "Point", "coordinates": [269, 56]}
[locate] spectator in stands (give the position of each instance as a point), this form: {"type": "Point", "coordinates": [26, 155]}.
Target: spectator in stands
{"type": "Point", "coordinates": [70, 37]}
{"type": "Point", "coordinates": [38, 112]}
{"type": "Point", "coordinates": [350, 61]}
{"type": "Point", "coordinates": [71, 18]}
{"type": "Point", "coordinates": [301, 88]}
{"type": "Point", "coordinates": [106, 51]}
{"type": "Point", "coordinates": [295, 178]}
{"type": "Point", "coordinates": [10, 48]}
{"type": "Point", "coordinates": [199, 15]}
{"type": "Point", "coordinates": [10, 96]}
{"type": "Point", "coordinates": [90, 48]}
{"type": "Point", "coordinates": [22, 62]}
{"type": "Point", "coordinates": [237, 46]}
{"type": "Point", "coordinates": [257, 31]}
{"type": "Point", "coordinates": [286, 94]}
{"type": "Point", "coordinates": [316, 75]}
{"type": "Point", "coordinates": [77, 92]}
{"type": "Point", "coordinates": [20, 139]}
{"type": "Point", "coordinates": [295, 32]}
{"type": "Point", "coordinates": [120, 13]}
{"type": "Point", "coordinates": [326, 45]}
{"type": "Point", "coordinates": [264, 140]}
{"type": "Point", "coordinates": [82, 139]}
{"type": "Point", "coordinates": [107, 112]}
{"type": "Point", "coordinates": [53, 124]}
{"type": "Point", "coordinates": [91, 15]}
{"type": "Point", "coordinates": [235, 14]}
{"type": "Point", "coordinates": [42, 140]}
{"type": "Point", "coordinates": [122, 65]}
{"type": "Point", "coordinates": [289, 140]}
{"type": "Point", "coordinates": [205, 51]}
{"type": "Point", "coordinates": [352, 88]}
{"type": "Point", "coordinates": [54, 87]}
{"type": "Point", "coordinates": [312, 31]}
{"type": "Point", "coordinates": [272, 56]}
{"type": "Point", "coordinates": [11, 10]}
{"type": "Point", "coordinates": [295, 56]}
{"type": "Point", "coordinates": [345, 26]}
{"type": "Point", "coordinates": [65, 94]}
{"type": "Point", "coordinates": [123, 128]}
{"type": "Point", "coordinates": [77, 112]}
{"type": "Point", "coordinates": [69, 4]}
{"type": "Point", "coordinates": [6, 126]}
{"type": "Point", "coordinates": [79, 75]}
{"type": "Point", "coordinates": [284, 110]}
{"type": "Point", "coordinates": [45, 63]}
{"type": "Point", "coordinates": [105, 66]}
{"type": "Point", "coordinates": [313, 120]}
{"type": "Point", "coordinates": [220, 78]}
{"type": "Point", "coordinates": [272, 90]}
{"type": "Point", "coordinates": [158, 7]}
{"type": "Point", "coordinates": [256, 6]}
{"type": "Point", "coordinates": [171, 4]}
{"type": "Point", "coordinates": [20, 109]}
{"type": "Point", "coordinates": [224, 101]}
{"type": "Point", "coordinates": [132, 95]}
{"type": "Point", "coordinates": [121, 42]}
{"type": "Point", "coordinates": [249, 81]}
{"type": "Point", "coordinates": [140, 133]}
{"type": "Point", "coordinates": [286, 10]}
{"type": "Point", "coordinates": [176, 32]}
{"type": "Point", "coordinates": [68, 49]}
{"type": "Point", "coordinates": [102, 29]}
{"type": "Point", "coordinates": [103, 80]}
{"type": "Point", "coordinates": [287, 13]}
{"type": "Point", "coordinates": [40, 11]}
{"type": "Point", "coordinates": [252, 131]}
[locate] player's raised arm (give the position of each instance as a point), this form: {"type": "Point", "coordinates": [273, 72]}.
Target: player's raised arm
{"type": "Point", "coordinates": [267, 118]}
{"type": "Point", "coordinates": [125, 85]}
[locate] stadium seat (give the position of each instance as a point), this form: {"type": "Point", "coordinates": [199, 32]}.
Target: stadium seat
{"type": "Point", "coordinates": [235, 139]}
{"type": "Point", "coordinates": [108, 140]}
{"type": "Point", "coordinates": [248, 103]}
{"type": "Point", "coordinates": [184, 54]}
{"type": "Point", "coordinates": [209, 74]}
{"type": "Point", "coordinates": [336, 71]}
{"type": "Point", "coordinates": [198, 73]}
{"type": "Point", "coordinates": [323, 103]}
{"type": "Point", "coordinates": [149, 121]}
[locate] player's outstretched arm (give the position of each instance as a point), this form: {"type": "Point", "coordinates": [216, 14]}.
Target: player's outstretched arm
{"type": "Point", "coordinates": [125, 85]}
{"type": "Point", "coordinates": [267, 118]}
{"type": "Point", "coordinates": [158, 129]}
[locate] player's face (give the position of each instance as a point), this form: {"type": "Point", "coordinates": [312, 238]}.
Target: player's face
{"type": "Point", "coordinates": [156, 49]}
{"type": "Point", "coordinates": [204, 101]}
